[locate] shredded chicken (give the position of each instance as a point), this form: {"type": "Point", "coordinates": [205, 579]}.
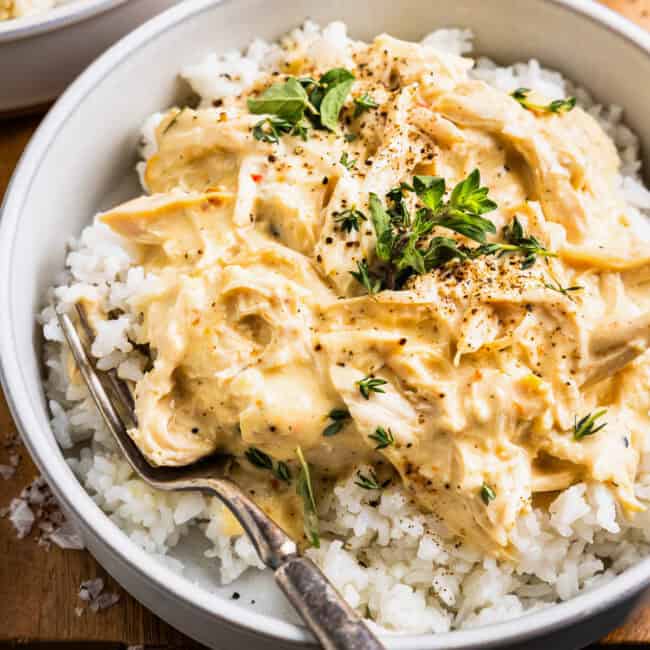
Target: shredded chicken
{"type": "Point", "coordinates": [258, 330]}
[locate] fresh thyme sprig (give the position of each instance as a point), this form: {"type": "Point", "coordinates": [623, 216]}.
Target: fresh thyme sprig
{"type": "Point", "coordinates": [283, 472]}
{"type": "Point", "coordinates": [556, 106]}
{"type": "Point", "coordinates": [271, 128]}
{"type": "Point", "coordinates": [305, 490]}
{"type": "Point", "coordinates": [338, 417]}
{"type": "Point", "coordinates": [555, 285]}
{"type": "Point", "coordinates": [364, 103]}
{"type": "Point", "coordinates": [383, 437]}
{"type": "Point", "coordinates": [401, 235]}
{"type": "Point", "coordinates": [586, 426]}
{"type": "Point", "coordinates": [350, 219]}
{"type": "Point", "coordinates": [262, 460]}
{"type": "Point", "coordinates": [405, 247]}
{"type": "Point", "coordinates": [368, 280]}
{"type": "Point", "coordinates": [346, 161]}
{"type": "Point", "coordinates": [487, 494]}
{"type": "Point", "coordinates": [370, 384]}
{"type": "Point", "coordinates": [370, 481]}
{"type": "Point", "coordinates": [296, 105]}
{"type": "Point", "coordinates": [519, 242]}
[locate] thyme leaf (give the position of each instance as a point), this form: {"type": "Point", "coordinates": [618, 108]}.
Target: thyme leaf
{"type": "Point", "coordinates": [282, 471]}
{"type": "Point", "coordinates": [381, 221]}
{"type": "Point", "coordinates": [370, 384]}
{"type": "Point", "coordinates": [487, 494]}
{"type": "Point", "coordinates": [383, 437]}
{"type": "Point", "coordinates": [296, 105]}
{"type": "Point", "coordinates": [262, 460]}
{"type": "Point", "coordinates": [286, 101]}
{"type": "Point", "coordinates": [556, 106]}
{"type": "Point", "coordinates": [336, 85]}
{"type": "Point", "coordinates": [364, 103]}
{"type": "Point", "coordinates": [586, 426]}
{"type": "Point", "coordinates": [305, 490]}
{"type": "Point", "coordinates": [362, 275]}
{"type": "Point", "coordinates": [370, 481]}
{"type": "Point", "coordinates": [271, 128]}
{"type": "Point", "coordinates": [339, 416]}
{"type": "Point", "coordinates": [258, 458]}
{"type": "Point", "coordinates": [469, 198]}
{"type": "Point", "coordinates": [555, 285]}
{"type": "Point", "coordinates": [350, 219]}
{"type": "Point", "coordinates": [346, 161]}
{"type": "Point", "coordinates": [519, 242]}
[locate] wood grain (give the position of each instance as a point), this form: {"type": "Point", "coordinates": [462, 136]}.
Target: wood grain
{"type": "Point", "coordinates": [38, 588]}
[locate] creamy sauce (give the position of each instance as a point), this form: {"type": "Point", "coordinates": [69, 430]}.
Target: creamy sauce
{"type": "Point", "coordinates": [258, 331]}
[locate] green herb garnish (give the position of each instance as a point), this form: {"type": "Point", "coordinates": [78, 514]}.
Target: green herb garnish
{"type": "Point", "coordinates": [487, 494]}
{"type": "Point", "coordinates": [363, 104]}
{"type": "Point", "coordinates": [381, 221]}
{"type": "Point", "coordinates": [363, 276]}
{"type": "Point", "coordinates": [462, 213]}
{"type": "Point", "coordinates": [383, 437]}
{"type": "Point", "coordinates": [287, 100]}
{"type": "Point", "coordinates": [370, 384]}
{"type": "Point", "coordinates": [258, 458]}
{"type": "Point", "coordinates": [336, 86]}
{"type": "Point", "coordinates": [262, 460]}
{"type": "Point", "coordinates": [586, 426]}
{"type": "Point", "coordinates": [346, 161]}
{"type": "Point", "coordinates": [556, 106]}
{"type": "Point", "coordinates": [404, 244]}
{"type": "Point", "coordinates": [555, 285]}
{"type": "Point", "coordinates": [339, 416]}
{"type": "Point", "coordinates": [305, 490]}
{"type": "Point", "coordinates": [298, 104]}
{"type": "Point", "coordinates": [271, 128]}
{"type": "Point", "coordinates": [401, 235]}
{"type": "Point", "coordinates": [518, 242]}
{"type": "Point", "coordinates": [283, 472]}
{"type": "Point", "coordinates": [350, 219]}
{"type": "Point", "coordinates": [370, 481]}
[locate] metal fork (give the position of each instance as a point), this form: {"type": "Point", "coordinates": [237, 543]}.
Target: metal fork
{"type": "Point", "coordinates": [333, 622]}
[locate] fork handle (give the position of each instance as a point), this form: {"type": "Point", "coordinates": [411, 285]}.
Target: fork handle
{"type": "Point", "coordinates": [332, 621]}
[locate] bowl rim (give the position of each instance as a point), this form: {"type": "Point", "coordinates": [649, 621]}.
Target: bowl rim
{"type": "Point", "coordinates": [55, 18]}
{"type": "Point", "coordinates": [93, 520]}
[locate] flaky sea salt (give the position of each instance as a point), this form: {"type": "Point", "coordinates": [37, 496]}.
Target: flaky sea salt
{"type": "Point", "coordinates": [104, 601]}
{"type": "Point", "coordinates": [67, 537]}
{"type": "Point", "coordinates": [92, 592]}
{"type": "Point", "coordinates": [21, 516]}
{"type": "Point", "coordinates": [37, 505]}
{"type": "Point", "coordinates": [89, 590]}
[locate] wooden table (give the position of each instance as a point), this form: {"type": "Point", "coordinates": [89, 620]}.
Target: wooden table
{"type": "Point", "coordinates": [39, 589]}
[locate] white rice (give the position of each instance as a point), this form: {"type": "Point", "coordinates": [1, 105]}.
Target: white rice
{"type": "Point", "coordinates": [399, 567]}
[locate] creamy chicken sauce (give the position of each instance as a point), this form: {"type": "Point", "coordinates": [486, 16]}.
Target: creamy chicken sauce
{"type": "Point", "coordinates": [260, 331]}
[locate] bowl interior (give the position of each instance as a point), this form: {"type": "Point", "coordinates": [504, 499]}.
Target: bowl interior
{"type": "Point", "coordinates": [83, 160]}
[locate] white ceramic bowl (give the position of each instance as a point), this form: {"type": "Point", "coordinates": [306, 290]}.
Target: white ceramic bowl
{"type": "Point", "coordinates": [41, 54]}
{"type": "Point", "coordinates": [81, 159]}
